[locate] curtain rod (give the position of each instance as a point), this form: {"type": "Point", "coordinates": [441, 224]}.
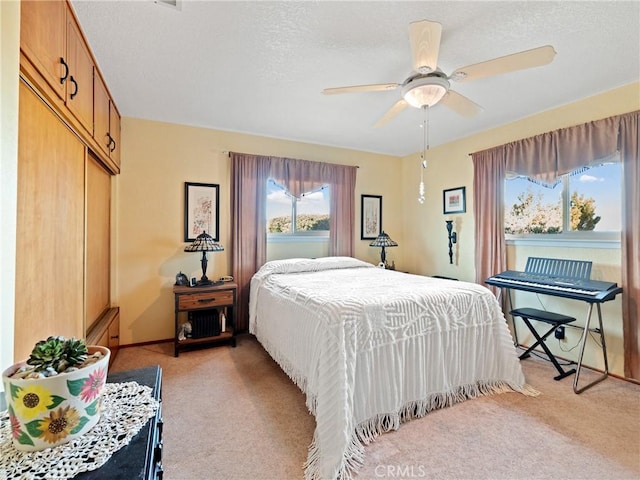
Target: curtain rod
{"type": "Point", "coordinates": [229, 155]}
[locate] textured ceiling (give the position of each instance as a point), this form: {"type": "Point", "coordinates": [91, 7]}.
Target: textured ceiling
{"type": "Point", "coordinates": [260, 67]}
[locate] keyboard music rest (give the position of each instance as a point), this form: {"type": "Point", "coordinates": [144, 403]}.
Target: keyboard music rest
{"type": "Point", "coordinates": [568, 279]}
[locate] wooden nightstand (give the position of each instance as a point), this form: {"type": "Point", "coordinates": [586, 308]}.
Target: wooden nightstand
{"type": "Point", "coordinates": [203, 307]}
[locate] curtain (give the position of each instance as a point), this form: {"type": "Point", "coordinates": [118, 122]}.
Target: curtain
{"type": "Point", "coordinates": [488, 211]}
{"type": "Point", "coordinates": [343, 211]}
{"type": "Point", "coordinates": [249, 175]}
{"type": "Point", "coordinates": [298, 176]}
{"type": "Point", "coordinates": [630, 154]}
{"type": "Point", "coordinates": [546, 157]}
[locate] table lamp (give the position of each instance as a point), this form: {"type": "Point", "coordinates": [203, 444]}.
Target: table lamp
{"type": "Point", "coordinates": [383, 241]}
{"type": "Point", "coordinates": [204, 243]}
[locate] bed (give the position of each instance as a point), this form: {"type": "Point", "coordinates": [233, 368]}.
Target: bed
{"type": "Point", "coordinates": [372, 348]}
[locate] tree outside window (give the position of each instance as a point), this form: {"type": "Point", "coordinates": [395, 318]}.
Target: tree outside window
{"type": "Point", "coordinates": [287, 215]}
{"type": "Point", "coordinates": [589, 201]}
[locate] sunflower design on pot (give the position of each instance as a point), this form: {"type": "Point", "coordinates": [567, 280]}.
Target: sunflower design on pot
{"type": "Point", "coordinates": [55, 396]}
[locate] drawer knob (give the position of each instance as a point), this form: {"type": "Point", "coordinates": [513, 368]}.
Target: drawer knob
{"type": "Point", "coordinates": [205, 300]}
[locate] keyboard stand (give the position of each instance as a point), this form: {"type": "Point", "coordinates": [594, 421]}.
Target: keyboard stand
{"type": "Point", "coordinates": [583, 341]}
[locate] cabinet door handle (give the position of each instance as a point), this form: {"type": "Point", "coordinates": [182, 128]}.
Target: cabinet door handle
{"type": "Point", "coordinates": [66, 70]}
{"type": "Point", "coordinates": [115, 336]}
{"type": "Point", "coordinates": [112, 142]}
{"type": "Point", "coordinates": [75, 92]}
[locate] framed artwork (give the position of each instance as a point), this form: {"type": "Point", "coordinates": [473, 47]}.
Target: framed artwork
{"type": "Point", "coordinates": [370, 216]}
{"type": "Point", "coordinates": [201, 210]}
{"type": "Point", "coordinates": [454, 200]}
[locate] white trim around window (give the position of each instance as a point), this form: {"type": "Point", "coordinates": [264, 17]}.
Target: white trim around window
{"type": "Point", "coordinates": [610, 240]}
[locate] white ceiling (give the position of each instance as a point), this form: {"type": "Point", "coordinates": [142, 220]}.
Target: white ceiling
{"type": "Point", "coordinates": [259, 67]}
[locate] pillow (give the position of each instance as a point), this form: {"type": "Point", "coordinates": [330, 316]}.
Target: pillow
{"type": "Point", "coordinates": [297, 265]}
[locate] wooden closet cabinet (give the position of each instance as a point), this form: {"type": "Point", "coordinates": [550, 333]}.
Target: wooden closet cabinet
{"type": "Point", "coordinates": [51, 39]}
{"type": "Point", "coordinates": [56, 57]}
{"type": "Point", "coordinates": [43, 39]}
{"type": "Point", "coordinates": [106, 121]}
{"type": "Point", "coordinates": [79, 92]}
{"type": "Point", "coordinates": [63, 252]}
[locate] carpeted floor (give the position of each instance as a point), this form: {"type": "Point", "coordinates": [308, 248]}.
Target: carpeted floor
{"type": "Point", "coordinates": [231, 413]}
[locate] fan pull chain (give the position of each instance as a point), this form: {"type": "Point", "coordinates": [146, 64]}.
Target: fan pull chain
{"type": "Point", "coordinates": [425, 144]}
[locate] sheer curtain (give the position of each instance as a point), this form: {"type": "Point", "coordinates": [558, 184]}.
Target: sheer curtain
{"type": "Point", "coordinates": [249, 175]}
{"type": "Point", "coordinates": [545, 158]}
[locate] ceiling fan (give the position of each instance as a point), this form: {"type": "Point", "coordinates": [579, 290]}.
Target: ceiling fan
{"type": "Point", "coordinates": [428, 85]}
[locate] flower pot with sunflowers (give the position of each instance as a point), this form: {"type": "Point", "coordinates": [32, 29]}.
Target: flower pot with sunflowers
{"type": "Point", "coordinates": [55, 395]}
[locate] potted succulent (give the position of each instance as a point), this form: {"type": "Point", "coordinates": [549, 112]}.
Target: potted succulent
{"type": "Point", "coordinates": [55, 395]}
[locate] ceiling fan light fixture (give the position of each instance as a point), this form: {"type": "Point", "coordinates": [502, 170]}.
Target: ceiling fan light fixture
{"type": "Point", "coordinates": [425, 91]}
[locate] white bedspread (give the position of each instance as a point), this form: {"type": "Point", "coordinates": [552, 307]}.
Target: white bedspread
{"type": "Point", "coordinates": [372, 348]}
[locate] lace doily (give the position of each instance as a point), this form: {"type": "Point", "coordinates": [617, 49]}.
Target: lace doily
{"type": "Point", "coordinates": [126, 408]}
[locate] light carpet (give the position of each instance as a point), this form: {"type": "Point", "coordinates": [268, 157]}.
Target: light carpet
{"type": "Point", "coordinates": [231, 413]}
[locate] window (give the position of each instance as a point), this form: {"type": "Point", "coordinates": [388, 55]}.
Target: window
{"type": "Point", "coordinates": [589, 201]}
{"type": "Point", "coordinates": [286, 215]}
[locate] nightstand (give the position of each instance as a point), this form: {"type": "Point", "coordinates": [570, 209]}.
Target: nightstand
{"type": "Point", "coordinates": [204, 307]}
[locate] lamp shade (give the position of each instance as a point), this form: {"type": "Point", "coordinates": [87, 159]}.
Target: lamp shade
{"type": "Point", "coordinates": [383, 240]}
{"type": "Point", "coordinates": [204, 243]}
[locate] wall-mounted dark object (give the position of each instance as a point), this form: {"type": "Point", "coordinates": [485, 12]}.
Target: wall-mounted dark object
{"type": "Point", "coordinates": [453, 238]}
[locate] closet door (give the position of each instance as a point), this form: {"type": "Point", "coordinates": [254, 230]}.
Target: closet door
{"type": "Point", "coordinates": [50, 227]}
{"type": "Point", "coordinates": [98, 240]}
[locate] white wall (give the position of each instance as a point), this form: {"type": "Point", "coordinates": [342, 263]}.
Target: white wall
{"type": "Point", "coordinates": [9, 60]}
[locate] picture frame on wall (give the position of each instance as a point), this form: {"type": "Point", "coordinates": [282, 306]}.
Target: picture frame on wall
{"type": "Point", "coordinates": [454, 200]}
{"type": "Point", "coordinates": [201, 210]}
{"type": "Point", "coordinates": [370, 216]}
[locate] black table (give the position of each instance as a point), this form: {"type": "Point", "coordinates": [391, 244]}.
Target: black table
{"type": "Point", "coordinates": [142, 457]}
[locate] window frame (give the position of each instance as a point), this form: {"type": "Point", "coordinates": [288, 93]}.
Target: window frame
{"type": "Point", "coordinates": [566, 238]}
{"type": "Point", "coordinates": [295, 234]}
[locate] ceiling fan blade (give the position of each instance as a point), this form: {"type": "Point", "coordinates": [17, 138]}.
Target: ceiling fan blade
{"type": "Point", "coordinates": [361, 88]}
{"type": "Point", "coordinates": [424, 37]}
{"type": "Point", "coordinates": [460, 104]}
{"type": "Point", "coordinates": [509, 63]}
{"type": "Point", "coordinates": [392, 112]}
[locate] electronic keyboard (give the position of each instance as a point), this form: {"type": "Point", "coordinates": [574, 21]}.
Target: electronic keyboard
{"type": "Point", "coordinates": [561, 278]}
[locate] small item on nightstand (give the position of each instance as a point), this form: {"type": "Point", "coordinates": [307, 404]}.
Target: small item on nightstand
{"type": "Point", "coordinates": [223, 323]}
{"type": "Point", "coordinates": [185, 331]}
{"type": "Point", "coordinates": [182, 279]}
